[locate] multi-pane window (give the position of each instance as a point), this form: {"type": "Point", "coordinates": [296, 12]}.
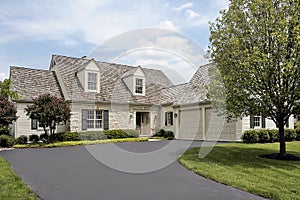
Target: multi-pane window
{"type": "Point", "coordinates": [169, 118]}
{"type": "Point", "coordinates": [138, 86]}
{"type": "Point", "coordinates": [256, 121]}
{"type": "Point", "coordinates": [92, 81]}
{"type": "Point", "coordinates": [35, 124]}
{"type": "Point", "coordinates": [94, 119]}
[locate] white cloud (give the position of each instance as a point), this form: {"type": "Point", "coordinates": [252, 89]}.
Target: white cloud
{"type": "Point", "coordinates": [167, 24]}
{"type": "Point", "coordinates": [183, 6]}
{"type": "Point", "coordinates": [191, 14]}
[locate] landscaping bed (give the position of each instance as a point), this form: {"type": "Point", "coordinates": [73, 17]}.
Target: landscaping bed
{"type": "Point", "coordinates": [241, 166]}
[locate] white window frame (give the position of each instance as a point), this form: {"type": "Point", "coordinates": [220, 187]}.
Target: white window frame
{"type": "Point", "coordinates": [94, 82]}
{"type": "Point", "coordinates": [257, 121]}
{"type": "Point", "coordinates": [135, 79]}
{"type": "Point", "coordinates": [94, 118]}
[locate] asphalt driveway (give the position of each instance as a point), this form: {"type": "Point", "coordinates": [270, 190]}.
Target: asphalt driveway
{"type": "Point", "coordinates": [84, 173]}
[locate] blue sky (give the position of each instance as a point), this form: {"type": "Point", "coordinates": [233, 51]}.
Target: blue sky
{"type": "Point", "coordinates": [33, 30]}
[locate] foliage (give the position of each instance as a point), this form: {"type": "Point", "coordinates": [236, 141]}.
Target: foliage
{"type": "Point", "coordinates": [64, 136]}
{"type": "Point", "coordinates": [92, 135]}
{"type": "Point", "coordinates": [5, 90]}
{"type": "Point", "coordinates": [12, 186]}
{"type": "Point", "coordinates": [6, 141]}
{"type": "Point", "coordinates": [114, 134]}
{"type": "Point", "coordinates": [297, 125]}
{"type": "Point", "coordinates": [165, 134]}
{"type": "Point", "coordinates": [77, 143]}
{"type": "Point", "coordinates": [23, 139]}
{"type": "Point", "coordinates": [267, 136]}
{"type": "Point", "coordinates": [49, 110]}
{"type": "Point", "coordinates": [44, 137]}
{"type": "Point", "coordinates": [240, 166]}
{"type": "Point", "coordinates": [8, 113]}
{"type": "Point", "coordinates": [132, 133]}
{"type": "Point", "coordinates": [255, 48]}
{"type": "Point", "coordinates": [34, 138]}
{"type": "Point", "coordinates": [298, 134]}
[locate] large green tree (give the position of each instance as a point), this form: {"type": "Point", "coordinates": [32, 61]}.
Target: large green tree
{"type": "Point", "coordinates": [8, 113]}
{"type": "Point", "coordinates": [49, 110]}
{"type": "Point", "coordinates": [255, 47]}
{"type": "Point", "coordinates": [6, 90]}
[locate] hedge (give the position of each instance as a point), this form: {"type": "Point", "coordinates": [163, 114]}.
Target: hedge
{"type": "Point", "coordinates": [23, 139]}
{"type": "Point", "coordinates": [267, 136]}
{"type": "Point", "coordinates": [165, 134]}
{"type": "Point", "coordinates": [6, 141]}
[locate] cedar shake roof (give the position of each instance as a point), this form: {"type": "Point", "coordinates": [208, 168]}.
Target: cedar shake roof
{"type": "Point", "coordinates": [30, 83]}
{"type": "Point", "coordinates": [192, 92]}
{"type": "Point", "coordinates": [61, 80]}
{"type": "Point", "coordinates": [112, 88]}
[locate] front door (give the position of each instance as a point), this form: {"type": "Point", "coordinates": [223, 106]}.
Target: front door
{"type": "Point", "coordinates": [143, 123]}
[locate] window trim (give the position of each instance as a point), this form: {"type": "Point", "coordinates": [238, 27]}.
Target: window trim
{"type": "Point", "coordinates": [95, 119]}
{"type": "Point", "coordinates": [257, 121]}
{"type": "Point", "coordinates": [94, 82]}
{"type": "Point", "coordinates": [137, 86]}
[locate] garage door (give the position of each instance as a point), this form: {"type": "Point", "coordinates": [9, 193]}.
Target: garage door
{"type": "Point", "coordinates": [190, 124]}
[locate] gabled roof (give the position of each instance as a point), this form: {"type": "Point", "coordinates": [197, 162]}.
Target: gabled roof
{"type": "Point", "coordinates": [112, 88]}
{"type": "Point", "coordinates": [30, 83]}
{"type": "Point", "coordinates": [192, 92]}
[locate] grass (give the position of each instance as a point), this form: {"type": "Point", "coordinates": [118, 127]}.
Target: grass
{"type": "Point", "coordinates": [240, 166]}
{"type": "Point", "coordinates": [77, 143]}
{"type": "Point", "coordinates": [11, 186]}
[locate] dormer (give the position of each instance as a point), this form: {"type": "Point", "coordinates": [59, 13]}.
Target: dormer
{"type": "Point", "coordinates": [89, 76]}
{"type": "Point", "coordinates": [135, 81]}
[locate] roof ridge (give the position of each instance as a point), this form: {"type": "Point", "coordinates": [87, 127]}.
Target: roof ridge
{"type": "Point", "coordinates": [22, 67]}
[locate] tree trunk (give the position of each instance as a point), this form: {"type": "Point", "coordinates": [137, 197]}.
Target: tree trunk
{"type": "Point", "coordinates": [282, 152]}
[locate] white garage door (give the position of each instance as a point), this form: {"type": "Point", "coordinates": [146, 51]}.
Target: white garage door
{"type": "Point", "coordinates": [190, 124]}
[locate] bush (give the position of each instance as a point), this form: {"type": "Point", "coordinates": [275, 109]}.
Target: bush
{"type": "Point", "coordinates": [133, 133]}
{"type": "Point", "coordinates": [23, 139]}
{"type": "Point", "coordinates": [44, 137]}
{"type": "Point", "coordinates": [298, 134]}
{"type": "Point", "coordinates": [115, 134]}
{"type": "Point", "coordinates": [297, 125]}
{"type": "Point", "coordinates": [263, 136]}
{"type": "Point", "coordinates": [290, 135]}
{"type": "Point", "coordinates": [266, 135]}
{"type": "Point", "coordinates": [273, 135]}
{"type": "Point", "coordinates": [250, 136]}
{"type": "Point", "coordinates": [99, 135]}
{"type": "Point", "coordinates": [6, 141]}
{"type": "Point", "coordinates": [64, 136]}
{"type": "Point", "coordinates": [165, 134]}
{"type": "Point", "coordinates": [34, 138]}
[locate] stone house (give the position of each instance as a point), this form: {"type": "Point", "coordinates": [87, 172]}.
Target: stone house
{"type": "Point", "coordinates": [113, 96]}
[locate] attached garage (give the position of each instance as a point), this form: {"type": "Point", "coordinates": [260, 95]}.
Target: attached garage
{"type": "Point", "coordinates": [190, 124]}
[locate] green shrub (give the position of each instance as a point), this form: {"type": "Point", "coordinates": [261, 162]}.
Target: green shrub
{"type": "Point", "coordinates": [297, 125]}
{"type": "Point", "coordinates": [34, 138]}
{"type": "Point", "coordinates": [115, 134]}
{"type": "Point", "coordinates": [298, 134]}
{"type": "Point", "coordinates": [273, 135]}
{"type": "Point", "coordinates": [6, 141]}
{"type": "Point", "coordinates": [290, 135]}
{"type": "Point", "coordinates": [133, 133]}
{"type": "Point", "coordinates": [250, 136]}
{"type": "Point", "coordinates": [92, 135]}
{"type": "Point", "coordinates": [23, 139]}
{"type": "Point", "coordinates": [263, 136]}
{"type": "Point", "coordinates": [64, 136]}
{"type": "Point", "coordinates": [165, 134]}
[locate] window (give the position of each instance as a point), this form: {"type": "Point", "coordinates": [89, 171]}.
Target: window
{"type": "Point", "coordinates": [169, 119]}
{"type": "Point", "coordinates": [94, 119]}
{"type": "Point", "coordinates": [35, 124]}
{"type": "Point", "coordinates": [92, 81]}
{"type": "Point", "coordinates": [138, 86]}
{"type": "Point", "coordinates": [256, 121]}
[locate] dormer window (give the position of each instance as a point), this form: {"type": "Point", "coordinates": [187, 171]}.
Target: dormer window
{"type": "Point", "coordinates": [139, 86]}
{"type": "Point", "coordinates": [92, 81]}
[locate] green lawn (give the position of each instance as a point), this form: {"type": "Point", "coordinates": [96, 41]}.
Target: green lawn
{"type": "Point", "coordinates": [240, 166]}
{"type": "Point", "coordinates": [11, 186]}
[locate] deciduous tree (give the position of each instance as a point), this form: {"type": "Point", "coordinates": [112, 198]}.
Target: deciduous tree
{"type": "Point", "coordinates": [255, 47]}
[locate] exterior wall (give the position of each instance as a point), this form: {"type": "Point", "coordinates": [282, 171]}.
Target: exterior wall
{"type": "Point", "coordinates": [269, 123]}
{"type": "Point", "coordinates": [23, 124]}
{"type": "Point", "coordinates": [120, 116]}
